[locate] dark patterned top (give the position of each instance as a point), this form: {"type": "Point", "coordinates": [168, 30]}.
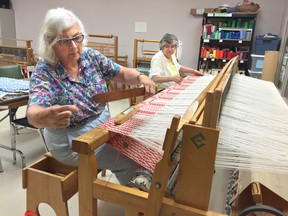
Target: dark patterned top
{"type": "Point", "coordinates": [50, 85]}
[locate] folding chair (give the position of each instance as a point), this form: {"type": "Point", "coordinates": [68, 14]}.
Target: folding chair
{"type": "Point", "coordinates": [15, 71]}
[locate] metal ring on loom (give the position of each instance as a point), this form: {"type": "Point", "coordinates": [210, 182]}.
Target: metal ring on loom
{"type": "Point", "coordinates": [261, 208]}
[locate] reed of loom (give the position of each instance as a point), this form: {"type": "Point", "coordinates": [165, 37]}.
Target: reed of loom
{"type": "Point", "coordinates": [196, 166]}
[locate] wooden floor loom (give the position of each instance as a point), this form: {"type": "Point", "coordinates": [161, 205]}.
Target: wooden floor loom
{"type": "Point", "coordinates": [196, 165]}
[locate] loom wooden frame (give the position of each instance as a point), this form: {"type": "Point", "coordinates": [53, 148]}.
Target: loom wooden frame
{"type": "Point", "coordinates": [189, 201]}
{"type": "Point", "coordinates": [8, 59]}
{"type": "Point", "coordinates": [144, 53]}
{"type": "Point", "coordinates": [109, 49]}
{"type": "Point", "coordinates": [30, 59]}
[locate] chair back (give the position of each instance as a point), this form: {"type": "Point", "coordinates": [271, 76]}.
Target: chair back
{"type": "Point", "coordinates": [11, 71]}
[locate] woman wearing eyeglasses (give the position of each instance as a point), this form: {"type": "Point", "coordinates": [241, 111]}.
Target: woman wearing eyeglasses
{"type": "Point", "coordinates": [165, 69]}
{"type": "Point", "coordinates": [66, 77]}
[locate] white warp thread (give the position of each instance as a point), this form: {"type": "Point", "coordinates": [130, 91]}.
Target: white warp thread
{"type": "Point", "coordinates": [254, 127]}
{"type": "Point", "coordinates": [153, 130]}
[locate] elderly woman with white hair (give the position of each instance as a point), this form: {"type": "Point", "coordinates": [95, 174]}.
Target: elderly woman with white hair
{"type": "Point", "coordinates": [165, 69]}
{"type": "Point", "coordinates": [66, 77]}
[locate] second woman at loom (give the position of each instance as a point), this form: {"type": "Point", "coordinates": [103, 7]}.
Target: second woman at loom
{"type": "Point", "coordinates": [165, 69]}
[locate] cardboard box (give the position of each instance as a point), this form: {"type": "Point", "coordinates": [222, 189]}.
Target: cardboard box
{"type": "Point", "coordinates": [270, 65]}
{"type": "Point", "coordinates": [200, 11]}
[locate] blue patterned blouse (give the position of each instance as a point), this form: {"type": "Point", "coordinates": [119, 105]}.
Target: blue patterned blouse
{"type": "Point", "coordinates": [50, 85]}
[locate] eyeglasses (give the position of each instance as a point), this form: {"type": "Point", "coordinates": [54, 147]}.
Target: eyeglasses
{"type": "Point", "coordinates": [167, 46]}
{"type": "Point", "coordinates": [68, 41]}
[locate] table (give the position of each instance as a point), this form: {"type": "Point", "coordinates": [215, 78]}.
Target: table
{"type": "Point", "coordinates": [12, 105]}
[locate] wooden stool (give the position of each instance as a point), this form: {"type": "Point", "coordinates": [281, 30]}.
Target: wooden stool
{"type": "Point", "coordinates": [49, 181]}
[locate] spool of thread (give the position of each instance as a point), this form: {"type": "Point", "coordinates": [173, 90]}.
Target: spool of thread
{"type": "Point", "coordinates": [241, 55]}
{"type": "Point", "coordinates": [248, 35]}
{"type": "Point", "coordinates": [208, 30]}
{"type": "Point", "coordinates": [233, 25]}
{"type": "Point", "coordinates": [222, 35]}
{"type": "Point", "coordinates": [227, 35]}
{"type": "Point", "coordinates": [214, 54]}
{"type": "Point", "coordinates": [212, 35]}
{"type": "Point", "coordinates": [246, 25]}
{"type": "Point", "coordinates": [245, 55]}
{"type": "Point", "coordinates": [229, 55]}
{"type": "Point", "coordinates": [204, 35]}
{"type": "Point", "coordinates": [237, 35]}
{"type": "Point", "coordinates": [229, 24]}
{"type": "Point", "coordinates": [225, 54]}
{"type": "Point", "coordinates": [203, 54]}
{"type": "Point", "coordinates": [213, 28]}
{"type": "Point", "coordinates": [251, 23]}
{"type": "Point", "coordinates": [221, 53]}
{"type": "Point", "coordinates": [239, 23]}
{"type": "Point", "coordinates": [241, 37]}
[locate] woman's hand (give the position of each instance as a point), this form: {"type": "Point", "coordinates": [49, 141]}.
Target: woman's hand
{"type": "Point", "coordinates": [150, 87]}
{"type": "Point", "coordinates": [177, 79]}
{"type": "Point", "coordinates": [51, 117]}
{"type": "Point", "coordinates": [198, 73]}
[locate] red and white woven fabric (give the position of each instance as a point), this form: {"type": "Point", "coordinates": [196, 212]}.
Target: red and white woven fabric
{"type": "Point", "coordinates": [141, 137]}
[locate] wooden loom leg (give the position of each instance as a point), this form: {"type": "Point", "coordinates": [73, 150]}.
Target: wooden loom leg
{"type": "Point", "coordinates": [197, 159]}
{"type": "Point", "coordinates": [87, 173]}
{"type": "Point", "coordinates": [162, 171]}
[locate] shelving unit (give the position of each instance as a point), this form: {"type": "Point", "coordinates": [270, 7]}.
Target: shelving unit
{"type": "Point", "coordinates": [225, 35]}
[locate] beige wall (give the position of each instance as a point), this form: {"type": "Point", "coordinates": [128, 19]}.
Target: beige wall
{"type": "Point", "coordinates": [118, 18]}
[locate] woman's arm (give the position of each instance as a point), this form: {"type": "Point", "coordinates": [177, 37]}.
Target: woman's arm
{"type": "Point", "coordinates": [51, 117]}
{"type": "Point", "coordinates": [183, 70]}
{"type": "Point", "coordinates": [132, 76]}
{"type": "Point", "coordinates": [161, 79]}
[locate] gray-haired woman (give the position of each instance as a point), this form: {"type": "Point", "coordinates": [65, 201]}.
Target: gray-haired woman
{"type": "Point", "coordinates": [165, 69]}
{"type": "Point", "coordinates": [61, 88]}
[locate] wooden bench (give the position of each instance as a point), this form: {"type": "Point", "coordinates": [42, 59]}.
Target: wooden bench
{"type": "Point", "coordinates": [49, 181]}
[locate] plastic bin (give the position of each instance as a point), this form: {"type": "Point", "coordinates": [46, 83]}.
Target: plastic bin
{"type": "Point", "coordinates": [266, 42]}
{"type": "Point", "coordinates": [255, 74]}
{"type": "Point", "coordinates": [257, 62]}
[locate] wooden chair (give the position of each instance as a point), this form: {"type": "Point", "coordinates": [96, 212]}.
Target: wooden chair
{"type": "Point", "coordinates": [7, 59]}
{"type": "Point", "coordinates": [144, 50]}
{"type": "Point", "coordinates": [20, 48]}
{"type": "Point", "coordinates": [17, 124]}
{"type": "Point", "coordinates": [49, 181]}
{"type": "Point", "coordinates": [108, 45]}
